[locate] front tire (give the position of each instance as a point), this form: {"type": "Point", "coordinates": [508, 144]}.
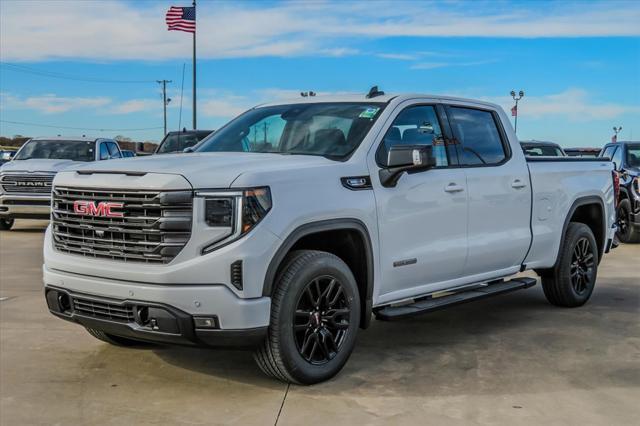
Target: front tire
{"type": "Point", "coordinates": [315, 313]}
{"type": "Point", "coordinates": [627, 232]}
{"type": "Point", "coordinates": [571, 282]}
{"type": "Point", "coordinates": [6, 224]}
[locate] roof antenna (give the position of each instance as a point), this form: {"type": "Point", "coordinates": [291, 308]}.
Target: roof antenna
{"type": "Point", "coordinates": [373, 92]}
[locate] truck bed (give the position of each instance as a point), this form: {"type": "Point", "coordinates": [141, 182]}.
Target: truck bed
{"type": "Point", "coordinates": [555, 189]}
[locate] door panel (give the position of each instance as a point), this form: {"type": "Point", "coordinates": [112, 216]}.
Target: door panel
{"type": "Point", "coordinates": [499, 192]}
{"type": "Point", "coordinates": [423, 226]}
{"type": "Point", "coordinates": [423, 219]}
{"type": "Point", "coordinates": [499, 217]}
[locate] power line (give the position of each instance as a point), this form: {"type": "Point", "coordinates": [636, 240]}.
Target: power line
{"type": "Point", "coordinates": [80, 128]}
{"type": "Point", "coordinates": [29, 70]}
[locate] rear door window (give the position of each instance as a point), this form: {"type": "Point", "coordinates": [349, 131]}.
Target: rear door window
{"type": "Point", "coordinates": [617, 158]}
{"type": "Point", "coordinates": [608, 152]}
{"type": "Point", "coordinates": [104, 151]}
{"type": "Point", "coordinates": [113, 150]}
{"type": "Point", "coordinates": [480, 142]}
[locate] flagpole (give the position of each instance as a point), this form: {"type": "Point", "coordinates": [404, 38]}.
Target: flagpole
{"type": "Point", "coordinates": [194, 68]}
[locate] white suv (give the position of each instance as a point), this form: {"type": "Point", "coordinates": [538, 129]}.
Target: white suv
{"type": "Point", "coordinates": [297, 221]}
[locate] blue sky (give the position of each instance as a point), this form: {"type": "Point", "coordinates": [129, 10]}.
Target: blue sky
{"type": "Point", "coordinates": [578, 62]}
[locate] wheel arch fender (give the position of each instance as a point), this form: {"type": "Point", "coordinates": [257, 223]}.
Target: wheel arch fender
{"type": "Point", "coordinates": [308, 229]}
{"type": "Point", "coordinates": [582, 202]}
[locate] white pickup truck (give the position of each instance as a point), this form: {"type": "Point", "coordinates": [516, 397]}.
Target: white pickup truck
{"type": "Point", "coordinates": [295, 223]}
{"type": "Point", "coordinates": [25, 182]}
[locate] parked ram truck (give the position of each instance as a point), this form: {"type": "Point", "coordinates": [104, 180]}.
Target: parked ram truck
{"type": "Point", "coordinates": [25, 182]}
{"type": "Point", "coordinates": [288, 240]}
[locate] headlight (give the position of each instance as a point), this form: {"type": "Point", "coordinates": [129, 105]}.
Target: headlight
{"type": "Point", "coordinates": [256, 203]}
{"type": "Point", "coordinates": [237, 211]}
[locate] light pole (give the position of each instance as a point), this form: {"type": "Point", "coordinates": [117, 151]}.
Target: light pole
{"type": "Point", "coordinates": [165, 101]}
{"type": "Point", "coordinates": [616, 130]}
{"type": "Point", "coordinates": [514, 110]}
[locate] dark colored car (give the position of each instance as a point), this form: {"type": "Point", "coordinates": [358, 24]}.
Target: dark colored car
{"type": "Point", "coordinates": [582, 152]}
{"type": "Point", "coordinates": [177, 141]}
{"type": "Point", "coordinates": [127, 153]}
{"type": "Point", "coordinates": [626, 160]}
{"type": "Point", "coordinates": [542, 149]}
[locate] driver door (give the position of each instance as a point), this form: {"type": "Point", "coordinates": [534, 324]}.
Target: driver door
{"type": "Point", "coordinates": [423, 219]}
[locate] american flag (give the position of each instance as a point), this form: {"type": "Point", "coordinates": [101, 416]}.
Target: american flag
{"type": "Point", "coordinates": [514, 111]}
{"type": "Point", "coordinates": [181, 19]}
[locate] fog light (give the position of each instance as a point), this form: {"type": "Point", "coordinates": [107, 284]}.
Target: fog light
{"type": "Point", "coordinates": [205, 322]}
{"type": "Point", "coordinates": [63, 302]}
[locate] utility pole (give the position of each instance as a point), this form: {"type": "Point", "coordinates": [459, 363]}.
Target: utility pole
{"type": "Point", "coordinates": [514, 110]}
{"type": "Point", "coordinates": [165, 101]}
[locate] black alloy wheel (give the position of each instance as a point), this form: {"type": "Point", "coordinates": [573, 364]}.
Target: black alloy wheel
{"type": "Point", "coordinates": [582, 266]}
{"type": "Point", "coordinates": [321, 320]}
{"type": "Point", "coordinates": [623, 220]}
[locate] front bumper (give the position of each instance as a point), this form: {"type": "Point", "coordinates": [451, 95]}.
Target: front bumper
{"type": "Point", "coordinates": [115, 307]}
{"type": "Point", "coordinates": [20, 206]}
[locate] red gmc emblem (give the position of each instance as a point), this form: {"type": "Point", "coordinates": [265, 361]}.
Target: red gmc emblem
{"type": "Point", "coordinates": [103, 208]}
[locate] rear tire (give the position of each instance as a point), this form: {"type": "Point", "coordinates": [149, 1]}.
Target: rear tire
{"type": "Point", "coordinates": [627, 232]}
{"type": "Point", "coordinates": [112, 339]}
{"type": "Point", "coordinates": [6, 224]}
{"type": "Point", "coordinates": [571, 282]}
{"type": "Point", "coordinates": [315, 314]}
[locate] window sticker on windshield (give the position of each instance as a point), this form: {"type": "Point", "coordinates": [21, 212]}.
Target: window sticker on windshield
{"type": "Point", "coordinates": [369, 113]}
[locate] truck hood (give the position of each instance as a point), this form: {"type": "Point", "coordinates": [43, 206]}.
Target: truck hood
{"type": "Point", "coordinates": [37, 165]}
{"type": "Point", "coordinates": [207, 170]}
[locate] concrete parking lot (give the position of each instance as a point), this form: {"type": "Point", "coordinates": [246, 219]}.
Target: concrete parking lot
{"type": "Point", "coordinates": [513, 359]}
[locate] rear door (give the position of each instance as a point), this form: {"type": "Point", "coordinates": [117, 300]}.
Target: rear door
{"type": "Point", "coordinates": [422, 220]}
{"type": "Point", "coordinates": [498, 189]}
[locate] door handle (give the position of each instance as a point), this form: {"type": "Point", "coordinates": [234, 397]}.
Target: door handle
{"type": "Point", "coordinates": [518, 184]}
{"type": "Point", "coordinates": [453, 187]}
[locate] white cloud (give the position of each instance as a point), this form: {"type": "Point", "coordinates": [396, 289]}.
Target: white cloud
{"type": "Point", "coordinates": [52, 104]}
{"type": "Point", "coordinates": [397, 56]}
{"type": "Point", "coordinates": [573, 104]}
{"type": "Point", "coordinates": [110, 30]}
{"type": "Point", "coordinates": [136, 105]}
{"type": "Point", "coordinates": [434, 65]}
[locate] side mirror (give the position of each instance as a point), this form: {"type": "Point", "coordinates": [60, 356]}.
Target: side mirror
{"type": "Point", "coordinates": [405, 158]}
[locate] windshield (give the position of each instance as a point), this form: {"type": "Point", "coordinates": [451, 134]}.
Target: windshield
{"type": "Point", "coordinates": [177, 142]}
{"type": "Point", "coordinates": [332, 130]}
{"type": "Point", "coordinates": [58, 150]}
{"type": "Point", "coordinates": [633, 155]}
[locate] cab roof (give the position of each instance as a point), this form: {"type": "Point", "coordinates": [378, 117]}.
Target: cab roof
{"type": "Point", "coordinates": [362, 98]}
{"type": "Point", "coordinates": [69, 138]}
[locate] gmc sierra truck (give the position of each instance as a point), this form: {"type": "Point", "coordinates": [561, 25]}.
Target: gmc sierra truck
{"type": "Point", "coordinates": [25, 182]}
{"type": "Point", "coordinates": [297, 222]}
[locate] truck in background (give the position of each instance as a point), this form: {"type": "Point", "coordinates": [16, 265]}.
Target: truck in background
{"type": "Point", "coordinates": [626, 161]}
{"type": "Point", "coordinates": [25, 182]}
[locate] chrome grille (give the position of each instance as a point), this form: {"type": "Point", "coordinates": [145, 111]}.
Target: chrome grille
{"type": "Point", "coordinates": [154, 226]}
{"type": "Point", "coordinates": [103, 310]}
{"type": "Point", "coordinates": [31, 183]}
